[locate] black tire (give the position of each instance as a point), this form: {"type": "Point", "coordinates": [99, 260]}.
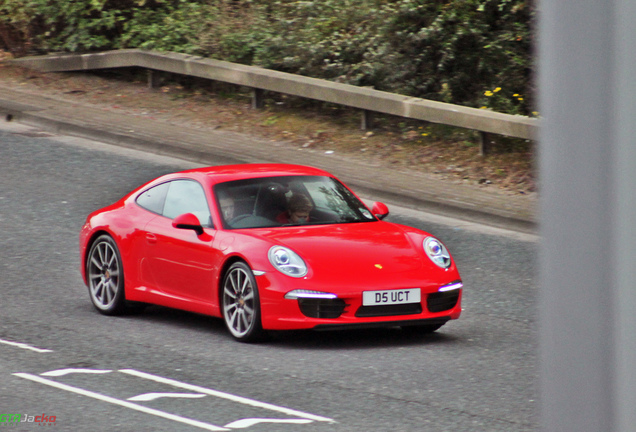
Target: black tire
{"type": "Point", "coordinates": [240, 303]}
{"type": "Point", "coordinates": [105, 276]}
{"type": "Point", "coordinates": [422, 329]}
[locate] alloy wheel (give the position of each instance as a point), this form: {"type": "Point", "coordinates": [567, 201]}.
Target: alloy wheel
{"type": "Point", "coordinates": [104, 273]}
{"type": "Point", "coordinates": [240, 303]}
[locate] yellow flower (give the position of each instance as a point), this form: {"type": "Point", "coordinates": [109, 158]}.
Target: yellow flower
{"type": "Point", "coordinates": [520, 99]}
{"type": "Point", "coordinates": [515, 95]}
{"type": "Point", "coordinates": [498, 89]}
{"type": "Point", "coordinates": [488, 93]}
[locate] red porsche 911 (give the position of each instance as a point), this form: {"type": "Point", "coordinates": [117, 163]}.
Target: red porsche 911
{"type": "Point", "coordinates": [266, 247]}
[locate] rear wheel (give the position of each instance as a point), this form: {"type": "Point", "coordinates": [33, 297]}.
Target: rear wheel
{"type": "Point", "coordinates": [241, 304]}
{"type": "Point", "coordinates": [105, 276]}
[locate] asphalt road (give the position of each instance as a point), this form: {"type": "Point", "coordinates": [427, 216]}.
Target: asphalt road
{"type": "Point", "coordinates": [478, 373]}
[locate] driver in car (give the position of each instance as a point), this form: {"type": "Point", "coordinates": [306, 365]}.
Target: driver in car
{"type": "Point", "coordinates": [227, 206]}
{"type": "Point", "coordinates": [298, 209]}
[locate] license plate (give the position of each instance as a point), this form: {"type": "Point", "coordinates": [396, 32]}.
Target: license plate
{"type": "Point", "coordinates": [391, 297]}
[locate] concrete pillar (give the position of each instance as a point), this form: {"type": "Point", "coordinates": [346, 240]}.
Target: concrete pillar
{"type": "Point", "coordinates": [587, 298]}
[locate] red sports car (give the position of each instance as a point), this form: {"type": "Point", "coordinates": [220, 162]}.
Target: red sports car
{"type": "Point", "coordinates": [266, 247]}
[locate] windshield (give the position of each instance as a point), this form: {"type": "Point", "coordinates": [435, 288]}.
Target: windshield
{"type": "Point", "coordinates": [288, 201]}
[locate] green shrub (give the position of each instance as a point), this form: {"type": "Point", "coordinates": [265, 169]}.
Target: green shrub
{"type": "Point", "coordinates": [18, 20]}
{"type": "Point", "coordinates": [174, 26]}
{"type": "Point", "coordinates": [470, 52]}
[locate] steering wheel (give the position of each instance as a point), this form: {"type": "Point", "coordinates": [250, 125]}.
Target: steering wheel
{"type": "Point", "coordinates": [239, 218]}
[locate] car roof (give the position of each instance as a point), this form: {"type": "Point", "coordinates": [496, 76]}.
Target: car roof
{"type": "Point", "coordinates": [224, 173]}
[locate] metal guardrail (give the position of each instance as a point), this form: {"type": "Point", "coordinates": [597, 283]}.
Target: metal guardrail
{"type": "Point", "coordinates": [259, 79]}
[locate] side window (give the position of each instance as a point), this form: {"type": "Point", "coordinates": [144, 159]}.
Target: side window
{"type": "Point", "coordinates": [187, 196]}
{"type": "Point", "coordinates": [153, 198]}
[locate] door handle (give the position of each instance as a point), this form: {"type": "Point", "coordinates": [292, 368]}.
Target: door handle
{"type": "Point", "coordinates": [151, 238]}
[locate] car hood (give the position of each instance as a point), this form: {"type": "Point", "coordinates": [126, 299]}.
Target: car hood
{"type": "Point", "coordinates": [357, 253]}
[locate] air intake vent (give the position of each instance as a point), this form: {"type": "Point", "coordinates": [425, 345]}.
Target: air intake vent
{"type": "Point", "coordinates": [389, 310]}
{"type": "Point", "coordinates": [321, 308]}
{"type": "Point", "coordinates": [441, 301]}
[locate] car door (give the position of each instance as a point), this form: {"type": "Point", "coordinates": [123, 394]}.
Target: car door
{"type": "Point", "coordinates": [183, 264]}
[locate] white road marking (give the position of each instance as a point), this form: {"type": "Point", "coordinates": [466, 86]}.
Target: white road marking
{"type": "Point", "coordinates": [239, 399]}
{"type": "Point", "coordinates": [25, 346]}
{"type": "Point", "coordinates": [62, 372]}
{"type": "Point", "coordinates": [123, 403]}
{"type": "Point", "coordinates": [152, 396]}
{"type": "Point", "coordinates": [245, 423]}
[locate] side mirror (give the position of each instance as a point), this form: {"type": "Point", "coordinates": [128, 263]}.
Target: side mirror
{"type": "Point", "coordinates": [188, 221]}
{"type": "Point", "coordinates": [380, 210]}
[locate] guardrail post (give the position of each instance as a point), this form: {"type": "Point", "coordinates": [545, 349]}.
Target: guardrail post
{"type": "Point", "coordinates": [485, 143]}
{"type": "Point", "coordinates": [367, 120]}
{"type": "Point", "coordinates": [153, 79]}
{"type": "Point", "coordinates": [258, 100]}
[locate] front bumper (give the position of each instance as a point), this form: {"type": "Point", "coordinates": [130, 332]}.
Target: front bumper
{"type": "Point", "coordinates": [347, 311]}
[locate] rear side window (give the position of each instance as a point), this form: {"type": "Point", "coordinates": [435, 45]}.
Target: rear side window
{"type": "Point", "coordinates": [154, 198]}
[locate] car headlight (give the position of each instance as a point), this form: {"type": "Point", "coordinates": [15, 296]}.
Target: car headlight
{"type": "Point", "coordinates": [287, 261]}
{"type": "Point", "coordinates": [437, 252]}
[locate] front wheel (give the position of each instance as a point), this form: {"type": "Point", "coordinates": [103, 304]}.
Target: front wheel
{"type": "Point", "coordinates": [105, 276]}
{"type": "Point", "coordinates": [240, 303]}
